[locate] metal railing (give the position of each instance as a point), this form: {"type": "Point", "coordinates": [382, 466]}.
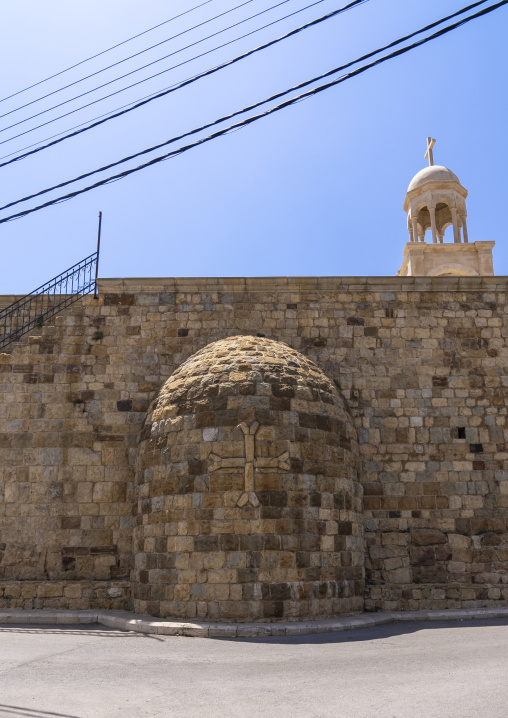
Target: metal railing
{"type": "Point", "coordinates": [30, 312]}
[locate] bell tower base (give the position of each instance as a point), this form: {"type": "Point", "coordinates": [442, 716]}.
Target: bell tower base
{"type": "Point", "coordinates": [472, 259]}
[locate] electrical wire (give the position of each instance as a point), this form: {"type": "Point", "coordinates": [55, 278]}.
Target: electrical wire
{"type": "Point", "coordinates": [143, 67]}
{"type": "Point", "coordinates": [221, 119]}
{"type": "Point", "coordinates": [173, 67]}
{"type": "Point", "coordinates": [173, 88]}
{"type": "Point", "coordinates": [255, 118]}
{"type": "Point", "coordinates": [194, 78]}
{"type": "Point", "coordinates": [156, 94]}
{"type": "Point", "coordinates": [125, 59]}
{"type": "Point", "coordinates": [103, 52]}
{"type": "Point", "coordinates": [70, 129]}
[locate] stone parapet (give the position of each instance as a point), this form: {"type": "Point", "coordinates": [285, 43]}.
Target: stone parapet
{"type": "Point", "coordinates": [281, 284]}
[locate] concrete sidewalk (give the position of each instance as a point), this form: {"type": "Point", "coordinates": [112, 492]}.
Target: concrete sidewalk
{"type": "Point", "coordinates": [128, 621]}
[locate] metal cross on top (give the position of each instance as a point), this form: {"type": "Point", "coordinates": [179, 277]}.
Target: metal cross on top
{"type": "Point", "coordinates": [249, 462]}
{"type": "Point", "coordinates": [429, 154]}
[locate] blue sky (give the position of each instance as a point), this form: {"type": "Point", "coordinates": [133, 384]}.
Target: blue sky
{"type": "Point", "coordinates": [314, 190]}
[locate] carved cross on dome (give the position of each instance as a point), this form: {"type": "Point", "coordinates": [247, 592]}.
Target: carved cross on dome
{"type": "Point", "coordinates": [249, 462]}
{"type": "Point", "coordinates": [429, 154]}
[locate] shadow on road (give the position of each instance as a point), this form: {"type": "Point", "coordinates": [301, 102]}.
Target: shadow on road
{"type": "Point", "coordinates": [356, 635]}
{"type": "Point", "coordinates": [372, 633]}
{"type": "Point", "coordinates": [13, 711]}
{"type": "Point", "coordinates": [99, 632]}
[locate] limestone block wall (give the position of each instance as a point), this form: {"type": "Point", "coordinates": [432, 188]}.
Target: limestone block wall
{"type": "Point", "coordinates": [10, 323]}
{"type": "Point", "coordinates": [472, 259]}
{"type": "Point", "coordinates": [64, 488]}
{"type": "Point", "coordinates": [248, 505]}
{"type": "Point", "coordinates": [422, 362]}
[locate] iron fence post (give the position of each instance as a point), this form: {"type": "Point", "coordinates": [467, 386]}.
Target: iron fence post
{"type": "Point", "coordinates": [97, 259]}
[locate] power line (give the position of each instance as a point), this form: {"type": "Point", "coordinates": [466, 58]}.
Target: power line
{"type": "Point", "coordinates": [254, 118]}
{"type": "Point", "coordinates": [125, 59]}
{"type": "Point", "coordinates": [70, 129]}
{"type": "Point", "coordinates": [143, 67]}
{"type": "Point", "coordinates": [154, 95]}
{"type": "Point", "coordinates": [103, 52]}
{"type": "Point", "coordinates": [173, 67]}
{"type": "Point", "coordinates": [277, 96]}
{"type": "Point", "coordinates": [226, 117]}
{"type": "Point", "coordinates": [194, 78]}
{"type": "Point", "coordinates": [173, 88]}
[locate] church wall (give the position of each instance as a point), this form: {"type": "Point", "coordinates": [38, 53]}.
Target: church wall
{"type": "Point", "coordinates": [206, 544]}
{"type": "Point", "coordinates": [421, 361]}
{"type": "Point", "coordinates": [65, 505]}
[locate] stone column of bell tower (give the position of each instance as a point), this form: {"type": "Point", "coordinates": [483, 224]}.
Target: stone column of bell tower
{"type": "Point", "coordinates": [436, 200]}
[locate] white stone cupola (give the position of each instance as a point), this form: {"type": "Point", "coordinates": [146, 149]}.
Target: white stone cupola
{"type": "Point", "coordinates": [436, 200]}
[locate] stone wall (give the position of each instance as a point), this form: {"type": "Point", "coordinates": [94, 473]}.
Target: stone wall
{"type": "Point", "coordinates": [422, 362]}
{"type": "Point", "coordinates": [249, 505]}
{"type": "Point", "coordinates": [11, 324]}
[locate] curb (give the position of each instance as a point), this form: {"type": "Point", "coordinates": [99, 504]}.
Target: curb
{"type": "Point", "coordinates": [126, 621]}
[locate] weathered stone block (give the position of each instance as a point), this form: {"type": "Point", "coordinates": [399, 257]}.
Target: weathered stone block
{"type": "Point", "coordinates": [427, 537]}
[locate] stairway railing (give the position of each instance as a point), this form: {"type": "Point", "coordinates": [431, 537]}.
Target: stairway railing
{"type": "Point", "coordinates": [31, 311]}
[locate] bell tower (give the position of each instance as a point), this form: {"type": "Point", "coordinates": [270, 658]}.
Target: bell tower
{"type": "Point", "coordinates": [436, 200]}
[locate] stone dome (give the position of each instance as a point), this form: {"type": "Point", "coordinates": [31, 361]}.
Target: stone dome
{"type": "Point", "coordinates": [248, 501]}
{"type": "Point", "coordinates": [435, 173]}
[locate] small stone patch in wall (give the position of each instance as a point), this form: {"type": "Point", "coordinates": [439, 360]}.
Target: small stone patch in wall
{"type": "Point", "coordinates": [125, 405]}
{"type": "Point", "coordinates": [118, 299]}
{"type": "Point", "coordinates": [210, 433]}
{"type": "Point", "coordinates": [167, 298]}
{"type": "Point", "coordinates": [68, 563]}
{"type": "Point", "coordinates": [440, 382]}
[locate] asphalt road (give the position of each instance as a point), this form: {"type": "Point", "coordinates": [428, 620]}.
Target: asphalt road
{"type": "Point", "coordinates": [441, 670]}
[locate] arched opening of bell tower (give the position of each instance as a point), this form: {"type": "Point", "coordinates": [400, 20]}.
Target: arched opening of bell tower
{"type": "Point", "coordinates": [443, 216]}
